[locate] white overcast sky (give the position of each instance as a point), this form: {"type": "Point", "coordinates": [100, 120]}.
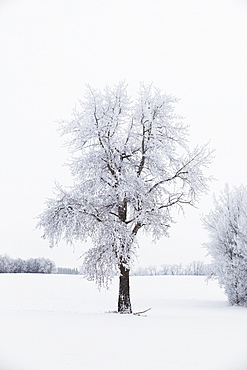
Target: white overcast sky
{"type": "Point", "coordinates": [194, 49]}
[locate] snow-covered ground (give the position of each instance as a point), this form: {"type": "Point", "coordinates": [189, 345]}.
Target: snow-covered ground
{"type": "Point", "coordinates": [62, 322]}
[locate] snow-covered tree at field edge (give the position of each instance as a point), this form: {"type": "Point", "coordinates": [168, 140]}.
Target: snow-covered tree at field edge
{"type": "Point", "coordinates": [226, 225]}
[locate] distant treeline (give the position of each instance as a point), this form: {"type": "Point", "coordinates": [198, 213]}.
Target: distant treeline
{"type": "Point", "coordinates": [46, 266]}
{"type": "Point", "coordinates": [67, 271]}
{"type": "Point", "coordinates": [193, 268]}
{"type": "Point", "coordinates": [31, 265]}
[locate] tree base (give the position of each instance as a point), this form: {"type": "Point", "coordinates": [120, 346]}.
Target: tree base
{"type": "Point", "coordinates": [124, 305]}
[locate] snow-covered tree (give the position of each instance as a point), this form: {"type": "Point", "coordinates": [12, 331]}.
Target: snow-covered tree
{"type": "Point", "coordinates": [40, 266]}
{"type": "Point", "coordinates": [32, 265]}
{"type": "Point", "coordinates": [19, 265]}
{"type": "Point", "coordinates": [131, 165]}
{"type": "Point", "coordinates": [226, 225]}
{"type": "Point", "coordinates": [5, 264]}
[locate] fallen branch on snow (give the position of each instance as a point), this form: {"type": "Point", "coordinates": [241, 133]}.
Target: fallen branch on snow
{"type": "Point", "coordinates": [141, 312]}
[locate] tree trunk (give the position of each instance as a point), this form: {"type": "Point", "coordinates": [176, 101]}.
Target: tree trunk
{"type": "Point", "coordinates": [124, 305]}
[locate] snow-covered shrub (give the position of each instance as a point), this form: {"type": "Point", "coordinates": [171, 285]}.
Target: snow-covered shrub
{"type": "Point", "coordinates": [227, 227]}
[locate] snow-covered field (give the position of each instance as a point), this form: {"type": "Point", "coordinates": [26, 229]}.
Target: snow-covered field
{"type": "Point", "coordinates": [62, 322]}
